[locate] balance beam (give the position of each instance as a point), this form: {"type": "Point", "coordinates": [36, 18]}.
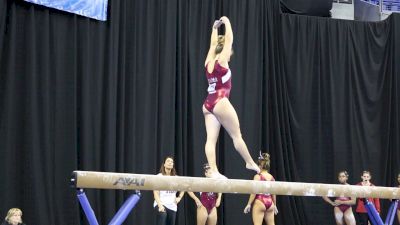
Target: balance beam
{"type": "Point", "coordinates": [127, 181]}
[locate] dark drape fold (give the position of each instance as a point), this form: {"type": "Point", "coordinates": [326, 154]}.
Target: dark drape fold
{"type": "Point", "coordinates": [340, 81]}
{"type": "Point", "coordinates": [320, 95]}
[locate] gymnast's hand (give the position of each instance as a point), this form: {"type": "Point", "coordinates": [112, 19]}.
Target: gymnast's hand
{"type": "Point", "coordinates": [338, 202]}
{"type": "Point", "coordinates": [276, 211]}
{"type": "Point", "coordinates": [217, 24]}
{"type": "Point", "coordinates": [247, 209]}
{"type": "Point", "coordinates": [161, 208]}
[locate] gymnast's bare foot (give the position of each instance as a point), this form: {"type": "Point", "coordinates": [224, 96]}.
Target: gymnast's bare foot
{"type": "Point", "coordinates": [253, 166]}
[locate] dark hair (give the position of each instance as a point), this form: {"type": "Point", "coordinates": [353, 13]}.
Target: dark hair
{"type": "Point", "coordinates": [345, 173]}
{"type": "Point", "coordinates": [264, 161]}
{"type": "Point", "coordinates": [366, 171]}
{"type": "Point", "coordinates": [206, 167]}
{"type": "Point", "coordinates": [162, 168]}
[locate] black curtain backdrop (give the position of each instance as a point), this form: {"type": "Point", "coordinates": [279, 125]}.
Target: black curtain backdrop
{"type": "Point", "coordinates": [320, 95]}
{"type": "Point", "coordinates": [342, 96]}
{"type": "Point", "coordinates": [307, 7]}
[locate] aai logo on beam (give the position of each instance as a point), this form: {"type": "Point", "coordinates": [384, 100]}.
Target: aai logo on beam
{"type": "Point", "coordinates": [127, 181]}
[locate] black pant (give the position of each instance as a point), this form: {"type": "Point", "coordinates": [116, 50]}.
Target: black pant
{"type": "Point", "coordinates": [363, 218]}
{"type": "Point", "coordinates": [165, 218]}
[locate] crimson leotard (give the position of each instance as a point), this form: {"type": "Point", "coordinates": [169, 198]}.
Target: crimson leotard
{"type": "Point", "coordinates": [343, 207]}
{"type": "Point", "coordinates": [208, 200]}
{"type": "Point", "coordinates": [219, 85]}
{"type": "Point", "coordinates": [266, 199]}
